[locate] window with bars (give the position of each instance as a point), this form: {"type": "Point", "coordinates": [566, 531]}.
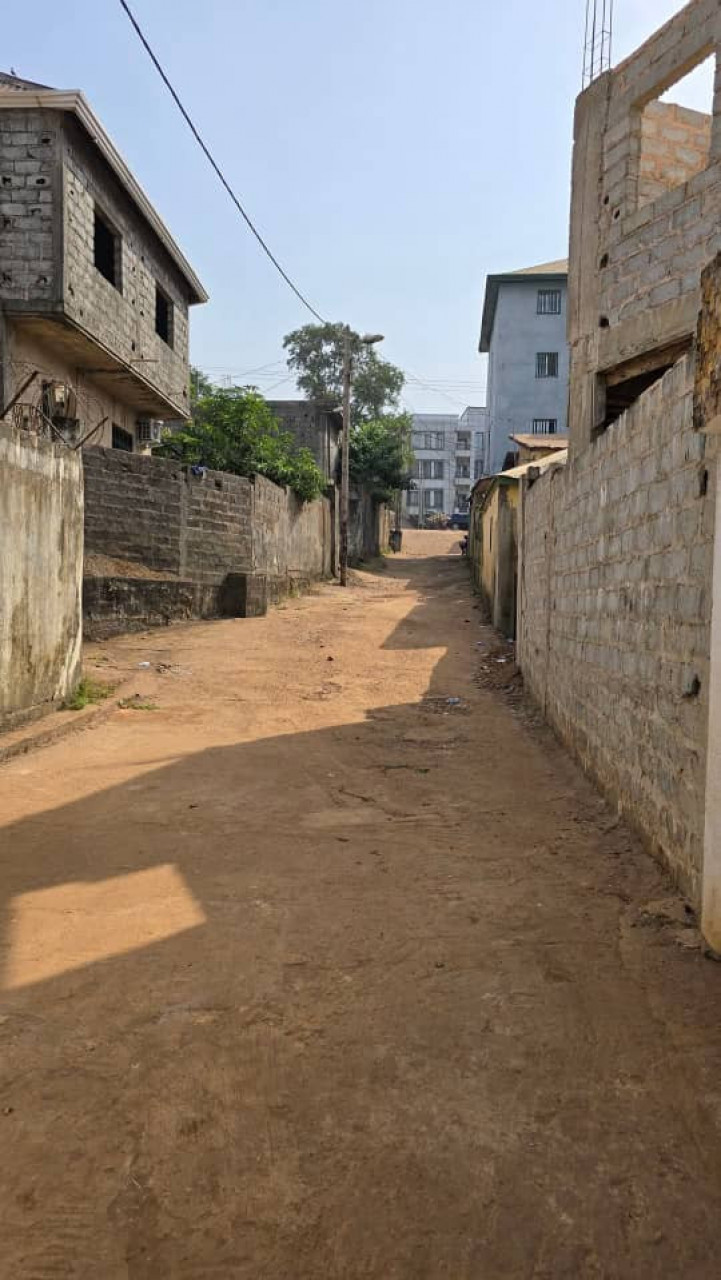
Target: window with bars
{"type": "Point", "coordinates": [549, 302]}
{"type": "Point", "coordinates": [122, 439]}
{"type": "Point", "coordinates": [544, 426]}
{"type": "Point", "coordinates": [428, 469]}
{"type": "Point", "coordinates": [546, 364]}
{"type": "Point", "coordinates": [433, 499]}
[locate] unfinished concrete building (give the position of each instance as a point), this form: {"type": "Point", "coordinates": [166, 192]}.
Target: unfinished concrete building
{"type": "Point", "coordinates": [645, 220]}
{"type": "Point", "coordinates": [94, 291]}
{"type": "Point", "coordinates": [616, 549]}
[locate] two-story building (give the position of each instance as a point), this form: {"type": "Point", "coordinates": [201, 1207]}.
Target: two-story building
{"type": "Point", "coordinates": [94, 291]}
{"type": "Point", "coordinates": [523, 332]}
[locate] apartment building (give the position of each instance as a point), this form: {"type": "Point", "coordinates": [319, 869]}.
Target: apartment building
{"type": "Point", "coordinates": [523, 333]}
{"type": "Point", "coordinates": [448, 449]}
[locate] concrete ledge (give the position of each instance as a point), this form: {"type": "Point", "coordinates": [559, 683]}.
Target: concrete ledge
{"type": "Point", "coordinates": [57, 725]}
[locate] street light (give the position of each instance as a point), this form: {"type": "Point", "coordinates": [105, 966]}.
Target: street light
{"type": "Point", "coordinates": [369, 339]}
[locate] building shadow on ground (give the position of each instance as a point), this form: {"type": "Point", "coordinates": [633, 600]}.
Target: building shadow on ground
{"type": "Point", "coordinates": [282, 1026]}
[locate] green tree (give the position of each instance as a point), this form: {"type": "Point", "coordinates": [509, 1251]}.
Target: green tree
{"type": "Point", "coordinates": [381, 456]}
{"type": "Point", "coordinates": [233, 429]}
{"type": "Point", "coordinates": [315, 355]}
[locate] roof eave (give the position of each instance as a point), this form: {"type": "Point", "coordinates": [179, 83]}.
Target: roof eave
{"type": "Point", "coordinates": [490, 301]}
{"type": "Point", "coordinates": [73, 100]}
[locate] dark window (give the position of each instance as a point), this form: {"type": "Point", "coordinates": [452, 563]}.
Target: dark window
{"type": "Point", "coordinates": [107, 250]}
{"type": "Point", "coordinates": [163, 316]}
{"type": "Point", "coordinates": [545, 426]}
{"type": "Point", "coordinates": [122, 439]}
{"type": "Point", "coordinates": [549, 302]}
{"type": "Point", "coordinates": [547, 364]}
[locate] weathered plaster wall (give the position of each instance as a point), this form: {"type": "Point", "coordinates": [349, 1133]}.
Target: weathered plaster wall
{"type": "Point", "coordinates": [292, 540]}
{"type": "Point", "coordinates": [41, 556]}
{"type": "Point", "coordinates": [615, 605]}
{"type": "Point", "coordinates": [26, 352]}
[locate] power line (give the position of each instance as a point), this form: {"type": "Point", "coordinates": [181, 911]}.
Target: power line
{"type": "Point", "coordinates": [246, 217]}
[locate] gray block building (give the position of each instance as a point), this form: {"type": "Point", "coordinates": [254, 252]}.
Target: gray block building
{"type": "Point", "coordinates": [523, 332]}
{"type": "Point", "coordinates": [316, 427]}
{"type": "Point", "coordinates": [94, 291]}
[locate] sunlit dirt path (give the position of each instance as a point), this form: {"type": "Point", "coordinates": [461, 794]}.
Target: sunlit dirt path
{"type": "Point", "coordinates": [310, 973]}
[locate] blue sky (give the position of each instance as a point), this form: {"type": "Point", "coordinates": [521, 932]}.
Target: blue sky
{"type": "Point", "coordinates": [392, 153]}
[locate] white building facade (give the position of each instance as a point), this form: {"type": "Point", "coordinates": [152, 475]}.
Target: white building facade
{"type": "Point", "coordinates": [448, 450]}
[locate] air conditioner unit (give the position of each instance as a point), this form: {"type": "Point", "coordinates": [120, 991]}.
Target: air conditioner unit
{"type": "Point", "coordinates": [150, 430]}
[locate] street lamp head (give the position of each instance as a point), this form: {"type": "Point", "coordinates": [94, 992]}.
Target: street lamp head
{"type": "Point", "coordinates": [370, 338]}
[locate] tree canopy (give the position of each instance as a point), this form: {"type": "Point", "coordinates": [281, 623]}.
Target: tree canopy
{"type": "Point", "coordinates": [381, 456]}
{"type": "Point", "coordinates": [315, 354]}
{"type": "Point", "coordinates": [233, 429]}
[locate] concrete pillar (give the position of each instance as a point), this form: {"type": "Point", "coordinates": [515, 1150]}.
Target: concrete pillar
{"type": "Point", "coordinates": [711, 897]}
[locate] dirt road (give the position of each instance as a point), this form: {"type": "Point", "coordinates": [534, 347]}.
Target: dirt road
{"type": "Point", "coordinates": [309, 974]}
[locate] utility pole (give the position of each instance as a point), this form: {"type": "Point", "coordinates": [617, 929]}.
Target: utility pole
{"type": "Point", "coordinates": [369, 339]}
{"type": "Point", "coordinates": [345, 457]}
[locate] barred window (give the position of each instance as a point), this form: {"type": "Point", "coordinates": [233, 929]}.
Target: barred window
{"type": "Point", "coordinates": [549, 302]}
{"type": "Point", "coordinates": [547, 364]}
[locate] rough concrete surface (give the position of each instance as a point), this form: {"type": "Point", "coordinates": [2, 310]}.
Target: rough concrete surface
{"type": "Point", "coordinates": [310, 973]}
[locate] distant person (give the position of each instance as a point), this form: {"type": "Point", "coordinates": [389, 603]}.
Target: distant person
{"type": "Point", "coordinates": [464, 546]}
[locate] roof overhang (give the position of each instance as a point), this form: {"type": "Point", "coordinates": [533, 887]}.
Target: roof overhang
{"type": "Point", "coordinates": [493, 284]}
{"type": "Point", "coordinates": [99, 366]}
{"type": "Point", "coordinates": [73, 101]}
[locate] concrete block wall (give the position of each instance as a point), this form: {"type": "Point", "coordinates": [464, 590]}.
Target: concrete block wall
{"type": "Point", "coordinates": [156, 513]}
{"type": "Point", "coordinates": [635, 265]}
{"type": "Point", "coordinates": [292, 540]}
{"type": "Point", "coordinates": [122, 319]}
{"type": "Point", "coordinates": [135, 508]}
{"type": "Point", "coordinates": [675, 146]}
{"type": "Point", "coordinates": [30, 235]}
{"type": "Point", "coordinates": [41, 557]}
{"type": "Point", "coordinates": [614, 614]}
{"type": "Point", "coordinates": [218, 527]}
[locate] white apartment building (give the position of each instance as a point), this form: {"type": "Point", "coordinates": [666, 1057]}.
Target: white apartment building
{"type": "Point", "coordinates": [448, 449]}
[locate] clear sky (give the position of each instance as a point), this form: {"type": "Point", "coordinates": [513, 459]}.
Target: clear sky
{"type": "Point", "coordinates": [392, 152]}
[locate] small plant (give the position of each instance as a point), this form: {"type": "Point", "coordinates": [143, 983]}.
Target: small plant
{"type": "Point", "coordinates": [87, 692]}
{"type": "Point", "coordinates": [137, 703]}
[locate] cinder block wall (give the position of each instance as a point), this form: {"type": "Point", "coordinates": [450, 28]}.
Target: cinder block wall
{"type": "Point", "coordinates": [135, 508]}
{"type": "Point", "coordinates": [30, 237]}
{"type": "Point", "coordinates": [122, 318]}
{"type": "Point", "coordinates": [614, 614]}
{"type": "Point", "coordinates": [41, 558]}
{"type": "Point", "coordinates": [156, 513]}
{"type": "Point", "coordinates": [634, 262]}
{"type": "Point", "coordinates": [675, 146]}
{"type": "Point", "coordinates": [291, 539]}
